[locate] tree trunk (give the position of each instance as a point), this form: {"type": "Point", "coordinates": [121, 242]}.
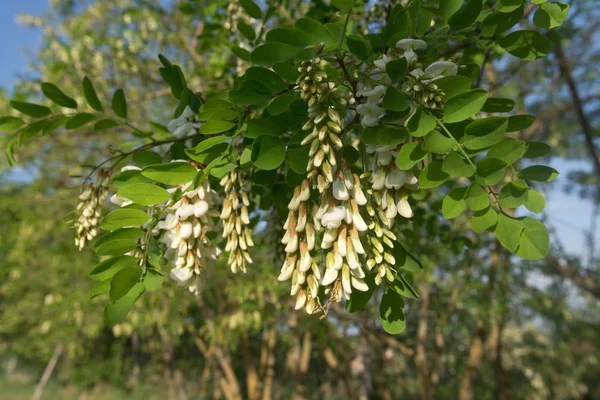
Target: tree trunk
{"type": "Point", "coordinates": [39, 389]}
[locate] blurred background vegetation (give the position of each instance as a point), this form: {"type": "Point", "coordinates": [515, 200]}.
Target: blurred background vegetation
{"type": "Point", "coordinates": [487, 325]}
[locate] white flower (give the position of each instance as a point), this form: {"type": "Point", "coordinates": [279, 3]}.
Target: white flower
{"type": "Point", "coordinates": [333, 219]}
{"type": "Point", "coordinates": [120, 201]}
{"type": "Point", "coordinates": [380, 63]}
{"type": "Point", "coordinates": [181, 275]}
{"type": "Point", "coordinates": [395, 179]}
{"type": "Point", "coordinates": [130, 168]}
{"type": "Point", "coordinates": [442, 68]}
{"type": "Point", "coordinates": [371, 114]}
{"type": "Point", "coordinates": [410, 56]}
{"type": "Point", "coordinates": [412, 44]}
{"type": "Point", "coordinates": [340, 191]}
{"type": "Point", "coordinates": [404, 208]}
{"type": "Point", "coordinates": [186, 124]}
{"type": "Point", "coordinates": [378, 92]}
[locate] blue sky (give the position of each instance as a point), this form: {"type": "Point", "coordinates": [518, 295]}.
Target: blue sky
{"type": "Point", "coordinates": [568, 215]}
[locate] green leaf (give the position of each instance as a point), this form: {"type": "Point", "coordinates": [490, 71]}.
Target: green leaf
{"type": "Point", "coordinates": [536, 149]}
{"type": "Point", "coordinates": [358, 300]}
{"type": "Point", "coordinates": [153, 279]}
{"type": "Point", "coordinates": [171, 173]}
{"type": "Point", "coordinates": [534, 241]}
{"type": "Point", "coordinates": [432, 176]}
{"type": "Point", "coordinates": [123, 281]}
{"type": "Point", "coordinates": [251, 8]}
{"type": "Point", "coordinates": [128, 177]}
{"type": "Point", "coordinates": [396, 69]}
{"type": "Point", "coordinates": [343, 5]}
{"type": "Point", "coordinates": [115, 312]}
{"type": "Point", "coordinates": [298, 158]}
{"type": "Point", "coordinates": [209, 143]}
{"type": "Point", "coordinates": [498, 105]}
{"type": "Point", "coordinates": [437, 143]}
{"type": "Point", "coordinates": [100, 289]}
{"type": "Point", "coordinates": [465, 16]}
{"type": "Point", "coordinates": [130, 234]}
{"type": "Point", "coordinates": [105, 124]}
{"type": "Point", "coordinates": [54, 124]}
{"type": "Point", "coordinates": [281, 103]}
{"type": "Point", "coordinates": [508, 231]}
{"type": "Point", "coordinates": [52, 92]}
{"type": "Point", "coordinates": [268, 152]}
{"type": "Point", "coordinates": [108, 268]}
{"type": "Point", "coordinates": [509, 6]}
{"type": "Point", "coordinates": [535, 201]}
{"type": "Point", "coordinates": [528, 45]}
{"type": "Point", "coordinates": [144, 194]}
{"type": "Point", "coordinates": [490, 171]}
{"type": "Point", "coordinates": [512, 196]}
{"type": "Point", "coordinates": [464, 105]}
{"type": "Point", "coordinates": [550, 15]}
{"type": "Point", "coordinates": [453, 85]}
{"type": "Point", "coordinates": [519, 122]}
{"type": "Point", "coordinates": [269, 81]}
{"type": "Point", "coordinates": [539, 173]}
{"type": "Point", "coordinates": [391, 313]}
{"type": "Point", "coordinates": [246, 30]}
{"type": "Point", "coordinates": [476, 198]}
{"type": "Point", "coordinates": [215, 126]}
{"type": "Point", "coordinates": [420, 123]}
{"type": "Point", "coordinates": [405, 259]}
{"type": "Point", "coordinates": [454, 203]}
{"type": "Point", "coordinates": [410, 154]}
{"type": "Point", "coordinates": [498, 22]}
{"type": "Point", "coordinates": [9, 124]}
{"type": "Point", "coordinates": [119, 104]}
{"type": "Point", "coordinates": [286, 71]}
{"type": "Point", "coordinates": [80, 120]}
{"type": "Point", "coordinates": [449, 7]}
{"type": "Point", "coordinates": [390, 136]}
{"type": "Point", "coordinates": [90, 94]}
{"type": "Point", "coordinates": [290, 36]}
{"type": "Point", "coordinates": [396, 100]}
{"type": "Point", "coordinates": [455, 165]}
{"type": "Point", "coordinates": [30, 109]}
{"type": "Point", "coordinates": [122, 217]}
{"type": "Point", "coordinates": [401, 286]}
{"type": "Point", "coordinates": [484, 132]}
{"type": "Point", "coordinates": [484, 219]}
{"type": "Point", "coordinates": [359, 46]}
{"type": "Point", "coordinates": [271, 53]}
{"type": "Point", "coordinates": [314, 30]}
{"type": "Point", "coordinates": [143, 158]}
{"type": "Point", "coordinates": [508, 150]}
{"type": "Point", "coordinates": [116, 247]}
{"type": "Point", "coordinates": [241, 53]}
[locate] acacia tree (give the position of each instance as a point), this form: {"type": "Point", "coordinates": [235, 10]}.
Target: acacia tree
{"type": "Point", "coordinates": [266, 100]}
{"type": "Point", "coordinates": [326, 130]}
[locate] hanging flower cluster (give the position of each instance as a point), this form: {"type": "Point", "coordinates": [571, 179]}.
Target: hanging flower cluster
{"type": "Point", "coordinates": [186, 124]}
{"type": "Point", "coordinates": [234, 214]}
{"type": "Point", "coordinates": [186, 224]}
{"type": "Point", "coordinates": [89, 208]}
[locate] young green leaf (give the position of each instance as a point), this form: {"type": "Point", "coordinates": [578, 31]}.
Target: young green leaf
{"type": "Point", "coordinates": [528, 45]}
{"type": "Point", "coordinates": [123, 281]}
{"type": "Point", "coordinates": [396, 100]}
{"type": "Point", "coordinates": [464, 105]}
{"type": "Point", "coordinates": [396, 69]}
{"type": "Point", "coordinates": [550, 15]}
{"type": "Point", "coordinates": [539, 173]}
{"type": "Point", "coordinates": [144, 194]}
{"type": "Point", "coordinates": [454, 203]}
{"type": "Point", "coordinates": [410, 154]}
{"type": "Point", "coordinates": [535, 201]}
{"type": "Point", "coordinates": [108, 268]}
{"type": "Point", "coordinates": [30, 109]}
{"type": "Point", "coordinates": [484, 219]}
{"type": "Point", "coordinates": [359, 46]}
{"type": "Point", "coordinates": [267, 152]}
{"type": "Point", "coordinates": [52, 92]}
{"type": "Point", "coordinates": [251, 8]}
{"type": "Point", "coordinates": [508, 231]}
{"type": "Point", "coordinates": [119, 104]}
{"type": "Point", "coordinates": [432, 176]}
{"type": "Point", "coordinates": [80, 120]}
{"type": "Point", "coordinates": [484, 132]}
{"type": "Point", "coordinates": [90, 94]}
{"type": "Point", "coordinates": [172, 173]}
{"type": "Point", "coordinates": [490, 171]}
{"type": "Point", "coordinates": [420, 123]}
{"type": "Point", "coordinates": [455, 165]}
{"type": "Point", "coordinates": [391, 313]}
{"type": "Point", "coordinates": [508, 150]}
{"type": "Point", "coordinates": [476, 198]}
{"type": "Point", "coordinates": [534, 241]}
{"type": "Point", "coordinates": [466, 15]}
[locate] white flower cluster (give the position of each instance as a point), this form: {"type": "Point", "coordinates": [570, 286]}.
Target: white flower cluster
{"type": "Point", "coordinates": [234, 215]}
{"type": "Point", "coordinates": [299, 240]}
{"type": "Point", "coordinates": [389, 192]}
{"type": "Point", "coordinates": [418, 83]}
{"type": "Point", "coordinates": [89, 208]}
{"type": "Point", "coordinates": [186, 223]}
{"type": "Point", "coordinates": [311, 80]}
{"type": "Point", "coordinates": [186, 124]}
